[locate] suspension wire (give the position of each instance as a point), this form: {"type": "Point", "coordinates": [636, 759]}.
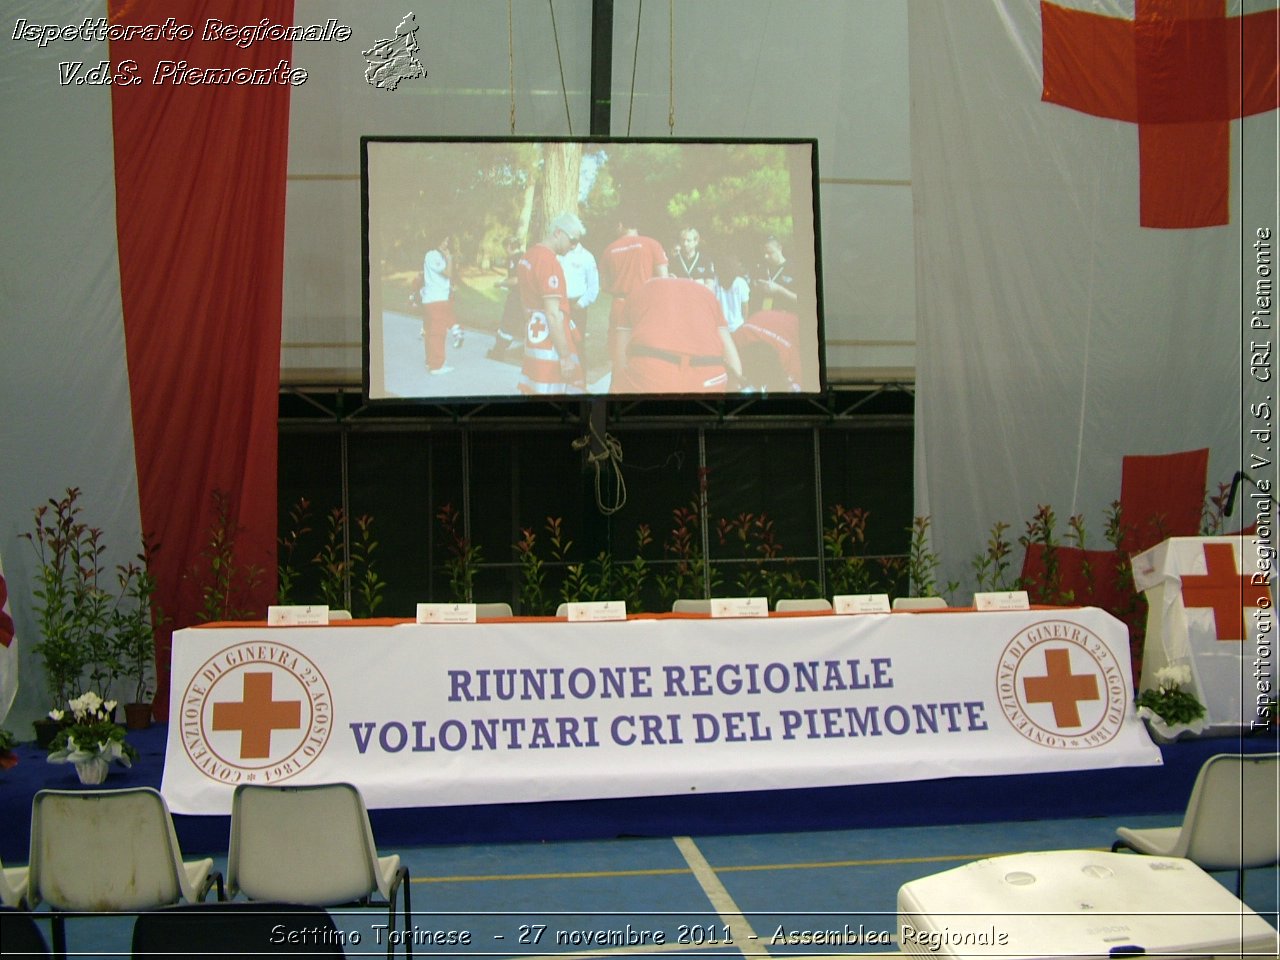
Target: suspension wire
{"type": "Point", "coordinates": [511, 65]}
{"type": "Point", "coordinates": [671, 67]}
{"type": "Point", "coordinates": [635, 59]}
{"type": "Point", "coordinates": [564, 90]}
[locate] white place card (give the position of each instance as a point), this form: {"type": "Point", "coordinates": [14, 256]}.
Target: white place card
{"type": "Point", "coordinates": [1002, 600]}
{"type": "Point", "coordinates": [297, 616]}
{"type": "Point", "coordinates": [861, 603]}
{"type": "Point", "coordinates": [739, 607]}
{"type": "Point", "coordinates": [446, 613]}
{"type": "Point", "coordinates": [597, 610]}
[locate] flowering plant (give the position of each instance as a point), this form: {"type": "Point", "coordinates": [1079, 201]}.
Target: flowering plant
{"type": "Point", "coordinates": [91, 733]}
{"type": "Point", "coordinates": [1168, 700]}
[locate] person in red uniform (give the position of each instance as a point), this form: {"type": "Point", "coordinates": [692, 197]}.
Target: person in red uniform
{"type": "Point", "coordinates": [551, 365]}
{"type": "Point", "coordinates": [674, 339]}
{"type": "Point", "coordinates": [768, 345]}
{"type": "Point", "coordinates": [627, 263]}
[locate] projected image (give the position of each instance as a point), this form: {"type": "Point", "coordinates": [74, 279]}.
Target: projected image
{"type": "Point", "coordinates": [515, 268]}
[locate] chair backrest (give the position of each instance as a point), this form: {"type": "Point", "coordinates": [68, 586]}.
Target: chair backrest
{"type": "Point", "coordinates": [1230, 823]}
{"type": "Point", "coordinates": [303, 844]}
{"type": "Point", "coordinates": [919, 603]}
{"type": "Point", "coordinates": [691, 606]}
{"type": "Point", "coordinates": [20, 934]}
{"type": "Point", "coordinates": [336, 616]}
{"type": "Point", "coordinates": [236, 928]}
{"type": "Point", "coordinates": [562, 611]}
{"type": "Point", "coordinates": [135, 862]}
{"type": "Point", "coordinates": [490, 611]}
{"type": "Point", "coordinates": [803, 603]}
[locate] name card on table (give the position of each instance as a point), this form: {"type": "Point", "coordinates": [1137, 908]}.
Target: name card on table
{"type": "Point", "coordinates": [297, 616]}
{"type": "Point", "coordinates": [446, 613]}
{"type": "Point", "coordinates": [1002, 600]}
{"type": "Point", "coordinates": [739, 607]}
{"type": "Point", "coordinates": [861, 603]}
{"type": "Point", "coordinates": [593, 611]}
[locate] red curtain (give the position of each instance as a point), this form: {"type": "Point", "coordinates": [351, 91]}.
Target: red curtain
{"type": "Point", "coordinates": [200, 204]}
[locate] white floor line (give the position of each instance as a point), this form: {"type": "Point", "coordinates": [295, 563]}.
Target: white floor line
{"type": "Point", "coordinates": [744, 937]}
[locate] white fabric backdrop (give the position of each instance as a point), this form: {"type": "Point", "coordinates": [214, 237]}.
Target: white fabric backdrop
{"type": "Point", "coordinates": [1056, 335]}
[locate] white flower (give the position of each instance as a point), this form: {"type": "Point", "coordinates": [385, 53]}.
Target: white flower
{"type": "Point", "coordinates": [1173, 675]}
{"type": "Point", "coordinates": [56, 715]}
{"type": "Point", "coordinates": [109, 707]}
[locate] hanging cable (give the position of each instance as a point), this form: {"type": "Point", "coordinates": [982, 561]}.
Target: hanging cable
{"type": "Point", "coordinates": [671, 67]}
{"type": "Point", "coordinates": [564, 90]}
{"type": "Point", "coordinates": [610, 455]}
{"type": "Point", "coordinates": [511, 65]}
{"type": "Point", "coordinates": [635, 59]}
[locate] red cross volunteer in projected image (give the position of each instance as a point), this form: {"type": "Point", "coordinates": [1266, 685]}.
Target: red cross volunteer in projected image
{"type": "Point", "coordinates": [673, 338]}
{"type": "Point", "coordinates": [628, 262]}
{"type": "Point", "coordinates": [551, 365]}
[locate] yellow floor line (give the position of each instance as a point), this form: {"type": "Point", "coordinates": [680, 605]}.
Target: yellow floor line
{"type": "Point", "coordinates": [742, 868]}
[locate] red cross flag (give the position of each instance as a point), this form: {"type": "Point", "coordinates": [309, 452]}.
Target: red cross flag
{"type": "Point", "coordinates": [8, 650]}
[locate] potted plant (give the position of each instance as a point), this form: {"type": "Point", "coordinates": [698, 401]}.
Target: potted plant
{"type": "Point", "coordinates": [8, 751]}
{"type": "Point", "coordinates": [133, 637]}
{"type": "Point", "coordinates": [1169, 710]}
{"type": "Point", "coordinates": [91, 739]}
{"type": "Point", "coordinates": [61, 542]}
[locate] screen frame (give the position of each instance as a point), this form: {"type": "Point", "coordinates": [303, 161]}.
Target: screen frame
{"type": "Point", "coordinates": [449, 401]}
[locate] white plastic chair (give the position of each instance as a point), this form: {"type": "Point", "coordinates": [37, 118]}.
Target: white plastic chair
{"type": "Point", "coordinates": [691, 605]}
{"type": "Point", "coordinates": [109, 850]}
{"type": "Point", "coordinates": [1230, 822]}
{"type": "Point", "coordinates": [492, 611]}
{"type": "Point", "coordinates": [312, 845]}
{"type": "Point", "coordinates": [919, 603]}
{"type": "Point", "coordinates": [337, 616]}
{"type": "Point", "coordinates": [810, 604]}
{"type": "Point", "coordinates": [13, 886]}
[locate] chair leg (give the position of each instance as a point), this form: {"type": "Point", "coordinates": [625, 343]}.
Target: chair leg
{"type": "Point", "coordinates": [1240, 884]}
{"type": "Point", "coordinates": [408, 916]}
{"type": "Point", "coordinates": [59, 936]}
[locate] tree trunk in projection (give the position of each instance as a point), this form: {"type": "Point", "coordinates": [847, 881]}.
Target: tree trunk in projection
{"type": "Point", "coordinates": [560, 165]}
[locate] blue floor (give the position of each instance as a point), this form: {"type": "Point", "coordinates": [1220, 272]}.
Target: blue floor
{"type": "Point", "coordinates": [685, 896]}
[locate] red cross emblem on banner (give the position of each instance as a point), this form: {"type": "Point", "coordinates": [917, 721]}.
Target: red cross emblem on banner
{"type": "Point", "coordinates": [1062, 688]}
{"type": "Point", "coordinates": [1223, 589]}
{"type": "Point", "coordinates": [256, 716]}
{"type": "Point", "coordinates": [1182, 70]}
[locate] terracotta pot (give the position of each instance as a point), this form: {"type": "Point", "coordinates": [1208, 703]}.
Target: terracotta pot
{"type": "Point", "coordinates": [137, 716]}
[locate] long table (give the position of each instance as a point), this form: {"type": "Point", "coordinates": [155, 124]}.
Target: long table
{"type": "Point", "coordinates": [512, 711]}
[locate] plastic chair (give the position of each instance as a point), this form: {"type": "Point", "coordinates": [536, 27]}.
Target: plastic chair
{"type": "Point", "coordinates": [313, 845]}
{"type": "Point", "coordinates": [691, 606]}
{"type": "Point", "coordinates": [13, 886]}
{"type": "Point", "coordinates": [20, 934]}
{"type": "Point", "coordinates": [919, 603]}
{"type": "Point", "coordinates": [337, 616]}
{"type": "Point", "coordinates": [239, 928]}
{"type": "Point", "coordinates": [491, 611]}
{"type": "Point", "coordinates": [803, 603]}
{"type": "Point", "coordinates": [1230, 822]}
{"type": "Point", "coordinates": [106, 850]}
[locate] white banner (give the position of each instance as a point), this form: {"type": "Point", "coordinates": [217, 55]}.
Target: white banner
{"type": "Point", "coordinates": [435, 715]}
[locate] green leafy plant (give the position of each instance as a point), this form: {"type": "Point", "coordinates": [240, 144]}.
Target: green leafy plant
{"type": "Point", "coordinates": [1047, 587]}
{"type": "Point", "coordinates": [1168, 700]}
{"type": "Point", "coordinates": [923, 562]}
{"type": "Point", "coordinates": [633, 575]}
{"type": "Point", "coordinates": [464, 557]}
{"type": "Point", "coordinates": [687, 572]}
{"type": "Point", "coordinates": [8, 753]}
{"type": "Point", "coordinates": [225, 585]}
{"type": "Point", "coordinates": [287, 573]}
{"type": "Point", "coordinates": [843, 538]}
{"type": "Point", "coordinates": [367, 587]}
{"type": "Point", "coordinates": [532, 574]}
{"type": "Point", "coordinates": [991, 568]}
{"type": "Point", "coordinates": [134, 620]}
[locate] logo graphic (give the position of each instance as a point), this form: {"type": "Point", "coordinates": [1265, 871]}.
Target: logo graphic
{"type": "Point", "coordinates": [256, 713]}
{"type": "Point", "coordinates": [1061, 686]}
{"type": "Point", "coordinates": [1180, 71]}
{"type": "Point", "coordinates": [538, 329]}
{"type": "Point", "coordinates": [396, 58]}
